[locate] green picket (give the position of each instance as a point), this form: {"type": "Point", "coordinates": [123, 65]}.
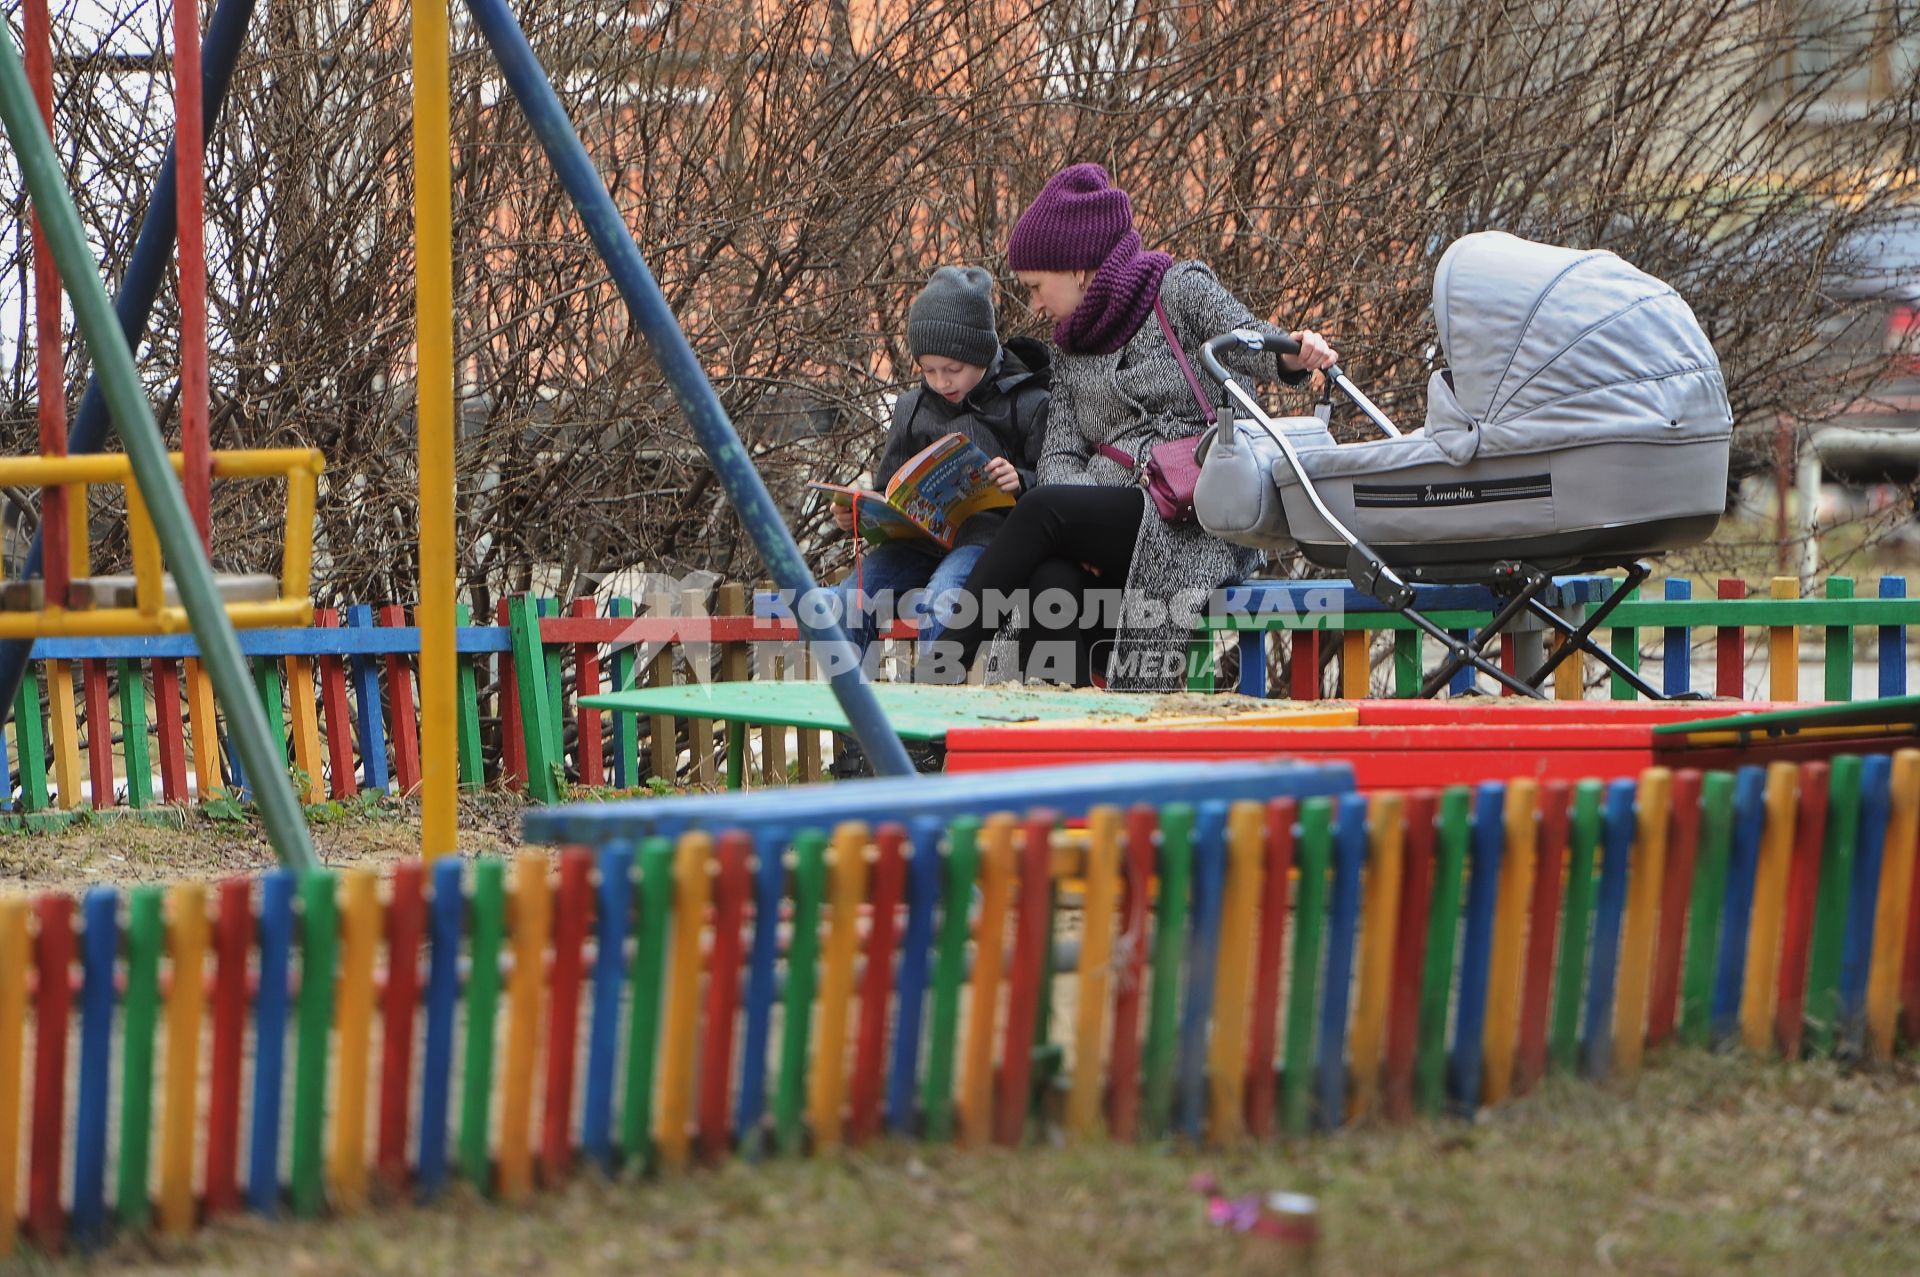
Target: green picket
{"type": "Point", "coordinates": [30, 743]}
{"type": "Point", "coordinates": [556, 686]}
{"type": "Point", "coordinates": [1407, 675]}
{"type": "Point", "coordinates": [1709, 902]}
{"type": "Point", "coordinates": [266, 681]}
{"type": "Point", "coordinates": [789, 1102]}
{"type": "Point", "coordinates": [483, 999]}
{"type": "Point", "coordinates": [1314, 855]}
{"type": "Point", "coordinates": [319, 938]}
{"type": "Point", "coordinates": [950, 964]}
{"type": "Point", "coordinates": [536, 707]}
{"type": "Point", "coordinates": [1157, 1058]}
{"type": "Point", "coordinates": [133, 726]}
{"type": "Point", "coordinates": [1830, 905]}
{"type": "Point", "coordinates": [1583, 843]}
{"type": "Point", "coordinates": [1839, 647]}
{"type": "Point", "coordinates": [1443, 925]}
{"type": "Point", "coordinates": [472, 768]}
{"type": "Point", "coordinates": [1625, 640]}
{"type": "Point", "coordinates": [146, 940]}
{"type": "Point", "coordinates": [643, 1033]}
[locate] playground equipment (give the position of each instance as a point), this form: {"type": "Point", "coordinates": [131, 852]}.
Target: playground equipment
{"type": "Point", "coordinates": [1260, 952]}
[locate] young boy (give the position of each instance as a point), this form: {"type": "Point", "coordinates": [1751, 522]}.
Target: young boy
{"type": "Point", "coordinates": [971, 383]}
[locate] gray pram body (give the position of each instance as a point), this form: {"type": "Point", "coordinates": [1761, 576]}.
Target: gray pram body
{"type": "Point", "coordinates": [1581, 419]}
{"type": "Point", "coordinates": [1581, 423]}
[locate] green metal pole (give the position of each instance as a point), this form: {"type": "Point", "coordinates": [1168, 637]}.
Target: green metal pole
{"type": "Point", "coordinates": [147, 451]}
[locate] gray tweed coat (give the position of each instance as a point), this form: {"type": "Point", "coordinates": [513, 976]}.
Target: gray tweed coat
{"type": "Point", "coordinates": [1133, 399]}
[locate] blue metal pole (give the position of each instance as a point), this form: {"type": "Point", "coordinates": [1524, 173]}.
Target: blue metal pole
{"type": "Point", "coordinates": [650, 312]}
{"type": "Point", "coordinates": [146, 268]}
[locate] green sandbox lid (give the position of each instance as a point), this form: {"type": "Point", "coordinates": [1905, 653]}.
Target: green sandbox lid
{"type": "Point", "coordinates": [916, 711]}
{"type": "Point", "coordinates": [1887, 712]}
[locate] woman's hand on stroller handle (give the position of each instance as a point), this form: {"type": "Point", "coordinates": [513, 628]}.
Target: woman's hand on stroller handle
{"type": "Point", "coordinates": [1309, 349]}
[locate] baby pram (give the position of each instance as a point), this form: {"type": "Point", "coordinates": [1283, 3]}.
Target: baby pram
{"type": "Point", "coordinates": [1581, 423]}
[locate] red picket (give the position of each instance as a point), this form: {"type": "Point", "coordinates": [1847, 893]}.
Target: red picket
{"type": "Point", "coordinates": [1803, 884]}
{"type": "Point", "coordinates": [731, 891]}
{"type": "Point", "coordinates": [232, 946]}
{"type": "Point", "coordinates": [93, 677]}
{"type": "Point", "coordinates": [888, 886]}
{"type": "Point", "coordinates": [406, 912]}
{"type": "Point", "coordinates": [1542, 934]}
{"type": "Point", "coordinates": [1123, 1058]}
{"type": "Point", "coordinates": [586, 682]}
{"type": "Point", "coordinates": [53, 957]}
{"type": "Point", "coordinates": [1303, 666]}
{"type": "Point", "coordinates": [572, 914]}
{"type": "Point", "coordinates": [1730, 649]}
{"type": "Point", "coordinates": [336, 714]}
{"type": "Point", "coordinates": [1268, 954]}
{"type": "Point", "coordinates": [1683, 844]}
{"type": "Point", "coordinates": [403, 725]}
{"type": "Point", "coordinates": [1031, 964]}
{"type": "Point", "coordinates": [1409, 955]}
{"type": "Point", "coordinates": [172, 730]}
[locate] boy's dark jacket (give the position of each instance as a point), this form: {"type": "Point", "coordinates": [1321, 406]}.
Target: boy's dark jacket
{"type": "Point", "coordinates": [1005, 415]}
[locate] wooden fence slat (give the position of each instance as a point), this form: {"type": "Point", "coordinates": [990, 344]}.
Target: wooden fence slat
{"type": "Point", "coordinates": [1803, 882]}
{"type": "Point", "coordinates": [732, 889]}
{"type": "Point", "coordinates": [1543, 922]}
{"type": "Point", "coordinates": [827, 1092]}
{"type": "Point", "coordinates": [1646, 877]}
{"type": "Point", "coordinates": [1455, 833]}
{"type": "Point", "coordinates": [1506, 966]}
{"type": "Point", "coordinates": [1314, 855]}
{"type": "Point", "coordinates": [1269, 956]}
{"type": "Point", "coordinates": [1157, 1059]}
{"type": "Point", "coordinates": [232, 946]}
{"type": "Point", "coordinates": [93, 680]}
{"type": "Point", "coordinates": [335, 713]}
{"type": "Point", "coordinates": [530, 921]}
{"type": "Point", "coordinates": [359, 940]}
{"type": "Point", "coordinates": [572, 914]}
{"type": "Point", "coordinates": [877, 981]}
{"type": "Point", "coordinates": [319, 945]}
{"type": "Point", "coordinates": [1386, 830]}
{"type": "Point", "coordinates": [976, 1083]}
{"type": "Point", "coordinates": [368, 720]}
{"type": "Point", "coordinates": [133, 730]}
{"type": "Point", "coordinates": [1730, 648]}
{"type": "Point", "coordinates": [1890, 919]}
{"type": "Point", "coordinates": [656, 896]}
{"type": "Point", "coordinates": [53, 955]}
{"type": "Point", "coordinates": [63, 734]}
{"type": "Point", "coordinates": [488, 913]}
{"type": "Point", "coordinates": [1233, 975]}
{"type": "Point", "coordinates": [1683, 841]}
{"type": "Point", "coordinates": [15, 960]}
{"type": "Point", "coordinates": [403, 715]}
{"type": "Point", "coordinates": [1743, 864]}
{"type": "Point", "coordinates": [1825, 998]}
{"type": "Point", "coordinates": [1676, 653]}
{"type": "Point", "coordinates": [803, 960]}
{"type": "Point", "coordinates": [1837, 651]}
{"type": "Point", "coordinates": [916, 956]}
{"type": "Point", "coordinates": [692, 893]}
{"type": "Point", "coordinates": [399, 1008]}
{"type": "Point", "coordinates": [1708, 899]}
{"type": "Point", "coordinates": [1610, 903]}
{"type": "Point", "coordinates": [1203, 944]}
{"type": "Point", "coordinates": [1467, 1065]}
{"type": "Point", "coordinates": [1769, 910]}
{"type": "Point", "coordinates": [277, 888]}
{"type": "Point", "coordinates": [1893, 643]}
{"type": "Point", "coordinates": [100, 951]}
{"type": "Point", "coordinates": [962, 871]}
{"type": "Point", "coordinates": [1783, 647]}
{"type": "Point", "coordinates": [446, 920]}
{"type": "Point", "coordinates": [1409, 953]}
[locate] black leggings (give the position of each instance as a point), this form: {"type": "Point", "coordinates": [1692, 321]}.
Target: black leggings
{"type": "Point", "coordinates": [1054, 535]}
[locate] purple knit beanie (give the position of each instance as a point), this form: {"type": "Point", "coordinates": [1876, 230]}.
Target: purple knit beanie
{"type": "Point", "coordinates": [1073, 224]}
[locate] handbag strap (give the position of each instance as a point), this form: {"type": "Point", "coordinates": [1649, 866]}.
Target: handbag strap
{"type": "Point", "coordinates": [1193, 382]}
{"type": "Point", "coordinates": [1123, 459]}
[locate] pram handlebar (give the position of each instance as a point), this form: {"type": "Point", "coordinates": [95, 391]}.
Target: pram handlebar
{"type": "Point", "coordinates": [1248, 339]}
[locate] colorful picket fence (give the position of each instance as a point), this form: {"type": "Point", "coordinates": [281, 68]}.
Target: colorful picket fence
{"type": "Point", "coordinates": [1340, 653]}
{"type": "Point", "coordinates": [344, 694]}
{"type": "Point", "coordinates": [1245, 969]}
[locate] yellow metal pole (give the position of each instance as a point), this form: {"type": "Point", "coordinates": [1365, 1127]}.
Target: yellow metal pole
{"type": "Point", "coordinates": [433, 301]}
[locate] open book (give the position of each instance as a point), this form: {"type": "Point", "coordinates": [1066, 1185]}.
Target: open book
{"type": "Point", "coordinates": [937, 490]}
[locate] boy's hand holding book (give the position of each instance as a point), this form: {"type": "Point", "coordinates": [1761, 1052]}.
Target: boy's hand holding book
{"type": "Point", "coordinates": [1004, 476]}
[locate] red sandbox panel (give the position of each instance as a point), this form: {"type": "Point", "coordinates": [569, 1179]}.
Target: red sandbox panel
{"type": "Point", "coordinates": [1397, 744]}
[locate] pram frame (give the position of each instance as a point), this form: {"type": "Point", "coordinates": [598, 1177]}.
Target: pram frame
{"type": "Point", "coordinates": [1518, 582]}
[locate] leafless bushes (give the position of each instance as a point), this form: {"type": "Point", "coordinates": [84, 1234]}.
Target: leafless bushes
{"type": "Point", "coordinates": [792, 172]}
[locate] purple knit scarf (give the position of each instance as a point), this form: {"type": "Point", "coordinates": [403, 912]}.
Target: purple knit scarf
{"type": "Point", "coordinates": [1118, 300]}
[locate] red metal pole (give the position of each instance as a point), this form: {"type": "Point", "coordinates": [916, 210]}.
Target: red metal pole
{"type": "Point", "coordinates": [189, 146]}
{"type": "Point", "coordinates": [50, 357]}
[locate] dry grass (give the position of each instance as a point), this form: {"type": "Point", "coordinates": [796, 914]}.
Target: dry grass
{"type": "Point", "coordinates": [1704, 1165]}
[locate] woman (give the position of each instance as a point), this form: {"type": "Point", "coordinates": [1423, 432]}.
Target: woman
{"type": "Point", "coordinates": [1089, 529]}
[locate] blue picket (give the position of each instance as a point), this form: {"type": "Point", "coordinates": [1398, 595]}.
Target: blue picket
{"type": "Point", "coordinates": [446, 923]}
{"type": "Point", "coordinates": [1476, 947]}
{"type": "Point", "coordinates": [1743, 864]}
{"type": "Point", "coordinates": [1343, 925]}
{"type": "Point", "coordinates": [1203, 948]}
{"type": "Point", "coordinates": [609, 975]}
{"type": "Point", "coordinates": [1616, 842]}
{"type": "Point", "coordinates": [1893, 642]}
{"type": "Point", "coordinates": [100, 946]}
{"type": "Point", "coordinates": [916, 952]}
{"type": "Point", "coordinates": [1253, 663]}
{"type": "Point", "coordinates": [763, 983]}
{"type": "Point", "coordinates": [1676, 656]}
{"type": "Point", "coordinates": [366, 708]}
{"type": "Point", "coordinates": [270, 1039]}
{"type": "Point", "coordinates": [1462, 679]}
{"type": "Point", "coordinates": [1856, 960]}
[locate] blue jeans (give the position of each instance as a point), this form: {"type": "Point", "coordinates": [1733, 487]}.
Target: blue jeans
{"type": "Point", "coordinates": [888, 572]}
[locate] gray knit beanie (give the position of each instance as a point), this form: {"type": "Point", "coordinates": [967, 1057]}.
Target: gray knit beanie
{"type": "Point", "coordinates": [953, 317]}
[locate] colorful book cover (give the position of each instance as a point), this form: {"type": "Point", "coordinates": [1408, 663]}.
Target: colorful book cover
{"type": "Point", "coordinates": [935, 492]}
